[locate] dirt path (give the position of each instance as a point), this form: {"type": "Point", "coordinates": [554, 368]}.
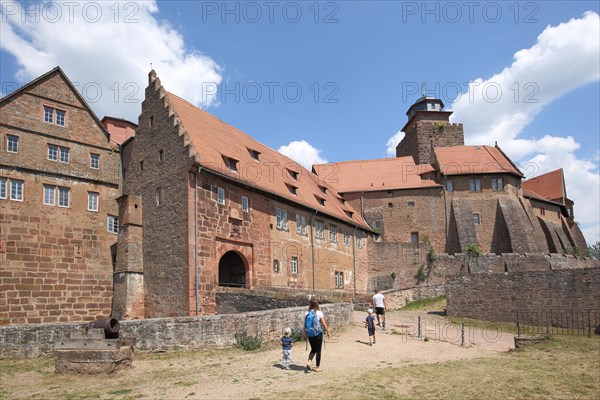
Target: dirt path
{"type": "Point", "coordinates": [234, 374]}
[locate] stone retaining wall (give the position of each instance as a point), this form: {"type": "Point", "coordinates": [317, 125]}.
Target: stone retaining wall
{"type": "Point", "coordinates": [171, 334]}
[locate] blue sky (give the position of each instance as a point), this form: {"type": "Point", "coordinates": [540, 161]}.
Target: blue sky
{"type": "Point", "coordinates": [359, 66]}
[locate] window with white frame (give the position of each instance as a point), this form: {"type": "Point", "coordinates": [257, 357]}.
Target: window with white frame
{"type": "Point", "coordinates": [475, 185]}
{"type": "Point", "coordinates": [358, 239]}
{"type": "Point", "coordinates": [497, 184]}
{"type": "Point", "coordinates": [339, 280]}
{"type": "Point", "coordinates": [53, 115]}
{"type": "Point", "coordinates": [113, 224]}
{"type": "Point", "coordinates": [300, 224]}
{"type": "Point", "coordinates": [245, 206]}
{"type": "Point", "coordinates": [95, 161]}
{"type": "Point", "coordinates": [319, 229]}
{"type": "Point", "coordinates": [63, 197]}
{"type": "Point", "coordinates": [282, 218]}
{"type": "Point", "coordinates": [53, 152]}
{"type": "Point", "coordinates": [64, 154]}
{"type": "Point", "coordinates": [93, 201]}
{"type": "Point", "coordinates": [332, 233]}
{"type": "Point", "coordinates": [476, 218]}
{"type": "Point", "coordinates": [16, 190]}
{"type": "Point", "coordinates": [12, 144]}
{"type": "Point", "coordinates": [449, 186]}
{"type": "Point", "coordinates": [49, 195]}
{"type": "Point", "coordinates": [221, 196]}
{"type": "Point", "coordinates": [346, 237]}
{"type": "Point", "coordinates": [294, 264]}
{"type": "Point", "coordinates": [3, 182]}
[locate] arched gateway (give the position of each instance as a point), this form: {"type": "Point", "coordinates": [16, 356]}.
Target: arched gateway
{"type": "Point", "coordinates": [232, 270]}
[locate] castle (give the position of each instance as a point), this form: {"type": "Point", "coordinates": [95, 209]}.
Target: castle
{"type": "Point", "coordinates": [147, 220]}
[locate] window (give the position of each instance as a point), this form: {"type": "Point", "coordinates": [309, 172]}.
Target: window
{"type": "Point", "coordinates": [52, 152]}
{"type": "Point", "coordinates": [332, 233]}
{"type": "Point", "coordinates": [63, 197]}
{"type": "Point", "coordinates": [113, 224]}
{"type": "Point", "coordinates": [390, 193]}
{"type": "Point", "coordinates": [12, 144]}
{"type": "Point", "coordinates": [16, 190]}
{"type": "Point", "coordinates": [221, 196]}
{"type": "Point", "coordinates": [158, 197]}
{"type": "Point", "coordinates": [245, 207]}
{"type": "Point", "coordinates": [92, 201]}
{"type": "Point", "coordinates": [49, 195]}
{"type": "Point", "coordinates": [60, 117]}
{"type": "Point", "coordinates": [411, 204]}
{"type": "Point", "coordinates": [319, 228]}
{"type": "Point", "coordinates": [254, 154]}
{"type": "Point", "coordinates": [151, 121]}
{"type": "Point", "coordinates": [449, 186]}
{"type": "Point", "coordinates": [358, 240]}
{"type": "Point", "coordinates": [293, 174]}
{"type": "Point", "coordinates": [300, 224]}
{"type": "Point", "coordinates": [50, 114]}
{"type": "Point", "coordinates": [161, 155]}
{"type": "Point", "coordinates": [475, 185]}
{"type": "Point", "coordinates": [390, 205]}
{"type": "Point", "coordinates": [542, 211]}
{"type": "Point", "coordinates": [321, 201]}
{"type": "Point", "coordinates": [64, 154]}
{"type": "Point", "coordinates": [231, 164]}
{"type": "Point", "coordinates": [142, 165]}
{"type": "Point", "coordinates": [95, 161]}
{"type": "Point", "coordinates": [293, 190]}
{"type": "Point", "coordinates": [346, 237]}
{"type": "Point", "coordinates": [2, 188]}
{"type": "Point", "coordinates": [294, 264]}
{"type": "Point", "coordinates": [339, 280]}
{"type": "Point", "coordinates": [282, 218]}
{"type": "Point", "coordinates": [323, 189]}
{"type": "Point", "coordinates": [476, 218]}
{"type": "Point", "coordinates": [276, 266]}
{"type": "Point", "coordinates": [414, 237]}
{"type": "Point", "coordinates": [497, 184]}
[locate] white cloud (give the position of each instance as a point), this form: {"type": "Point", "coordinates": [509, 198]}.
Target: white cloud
{"type": "Point", "coordinates": [564, 58]}
{"type": "Point", "coordinates": [303, 153]}
{"type": "Point", "coordinates": [107, 46]}
{"type": "Point", "coordinates": [390, 146]}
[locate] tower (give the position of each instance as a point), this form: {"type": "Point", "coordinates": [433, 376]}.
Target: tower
{"type": "Point", "coordinates": [428, 126]}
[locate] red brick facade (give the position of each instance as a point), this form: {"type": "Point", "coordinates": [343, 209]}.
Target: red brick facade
{"type": "Point", "coordinates": [57, 255]}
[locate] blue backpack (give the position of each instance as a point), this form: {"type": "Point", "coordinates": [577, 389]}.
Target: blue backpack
{"type": "Point", "coordinates": [312, 325]}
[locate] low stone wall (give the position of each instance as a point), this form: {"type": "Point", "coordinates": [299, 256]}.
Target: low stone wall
{"type": "Point", "coordinates": [171, 334]}
{"type": "Point", "coordinates": [398, 298]}
{"type": "Point", "coordinates": [493, 297]}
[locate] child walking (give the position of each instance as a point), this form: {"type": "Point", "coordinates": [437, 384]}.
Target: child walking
{"type": "Point", "coordinates": [286, 346]}
{"type": "Point", "coordinates": [370, 325]}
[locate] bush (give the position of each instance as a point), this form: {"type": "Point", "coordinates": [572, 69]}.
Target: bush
{"type": "Point", "coordinates": [573, 251]}
{"type": "Point", "coordinates": [431, 255]}
{"type": "Point", "coordinates": [473, 249]}
{"type": "Point", "coordinates": [248, 342]}
{"type": "Point", "coordinates": [296, 335]}
{"type": "Point", "coordinates": [421, 274]}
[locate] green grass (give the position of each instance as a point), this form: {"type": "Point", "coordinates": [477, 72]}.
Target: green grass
{"type": "Point", "coordinates": [561, 368]}
{"type": "Point", "coordinates": [436, 303]}
{"type": "Point", "coordinates": [492, 326]}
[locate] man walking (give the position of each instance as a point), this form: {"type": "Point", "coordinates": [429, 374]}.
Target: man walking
{"type": "Point", "coordinates": [380, 305]}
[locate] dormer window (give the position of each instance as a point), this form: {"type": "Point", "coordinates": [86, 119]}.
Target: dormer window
{"type": "Point", "coordinates": [293, 174]}
{"type": "Point", "coordinates": [254, 154]}
{"type": "Point", "coordinates": [349, 214]}
{"type": "Point", "coordinates": [293, 190]}
{"type": "Point", "coordinates": [231, 163]}
{"type": "Point", "coordinates": [321, 201]}
{"type": "Point", "coordinates": [323, 189]}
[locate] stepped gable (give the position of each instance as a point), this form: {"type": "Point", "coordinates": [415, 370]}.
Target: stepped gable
{"type": "Point", "coordinates": [549, 186]}
{"type": "Point", "coordinates": [219, 145]}
{"type": "Point", "coordinates": [464, 160]}
{"type": "Point", "coordinates": [372, 175]}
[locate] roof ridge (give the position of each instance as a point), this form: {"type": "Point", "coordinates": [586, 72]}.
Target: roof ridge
{"type": "Point", "coordinates": [365, 161]}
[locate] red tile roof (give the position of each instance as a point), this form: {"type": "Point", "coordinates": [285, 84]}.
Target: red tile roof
{"type": "Point", "coordinates": [120, 129]}
{"type": "Point", "coordinates": [373, 175]}
{"type": "Point", "coordinates": [215, 141]}
{"type": "Point", "coordinates": [549, 186]}
{"type": "Point", "coordinates": [465, 160]}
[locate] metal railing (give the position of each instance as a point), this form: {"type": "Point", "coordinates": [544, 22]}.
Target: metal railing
{"type": "Point", "coordinates": [557, 322]}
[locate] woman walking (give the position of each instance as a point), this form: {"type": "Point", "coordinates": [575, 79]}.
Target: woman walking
{"type": "Point", "coordinates": [314, 323]}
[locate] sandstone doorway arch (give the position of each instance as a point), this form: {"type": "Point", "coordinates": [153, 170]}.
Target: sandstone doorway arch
{"type": "Point", "coordinates": [232, 270]}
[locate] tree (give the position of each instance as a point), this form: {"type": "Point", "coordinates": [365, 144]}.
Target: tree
{"type": "Point", "coordinates": [594, 250]}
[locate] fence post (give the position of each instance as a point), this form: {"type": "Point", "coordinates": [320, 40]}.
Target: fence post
{"type": "Point", "coordinates": [419, 327]}
{"type": "Point", "coordinates": [589, 324]}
